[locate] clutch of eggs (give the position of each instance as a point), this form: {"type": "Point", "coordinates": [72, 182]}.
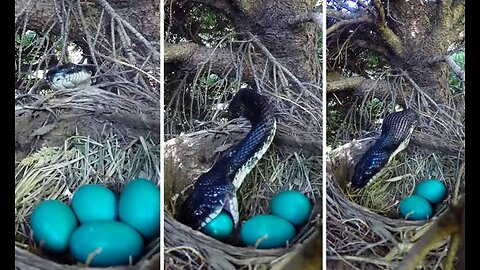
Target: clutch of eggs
{"type": "Point", "coordinates": [415, 207]}
{"type": "Point", "coordinates": [433, 190]}
{"type": "Point", "coordinates": [289, 209]}
{"type": "Point", "coordinates": [106, 223]}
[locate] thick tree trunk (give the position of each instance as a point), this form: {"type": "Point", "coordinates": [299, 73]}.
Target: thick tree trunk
{"type": "Point", "coordinates": [292, 42]}
{"type": "Point", "coordinates": [410, 35]}
{"type": "Point", "coordinates": [426, 30]}
{"type": "Point", "coordinates": [293, 46]}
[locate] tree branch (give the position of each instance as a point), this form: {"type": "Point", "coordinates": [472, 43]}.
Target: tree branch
{"type": "Point", "coordinates": [315, 17]}
{"type": "Point", "coordinates": [344, 83]}
{"type": "Point", "coordinates": [360, 86]}
{"type": "Point", "coordinates": [455, 68]}
{"type": "Point", "coordinates": [40, 16]}
{"type": "Point", "coordinates": [344, 23]}
{"type": "Point", "coordinates": [179, 52]}
{"type": "Point", "coordinates": [346, 19]}
{"type": "Point", "coordinates": [444, 13]}
{"type": "Point", "coordinates": [373, 46]}
{"type": "Point", "coordinates": [338, 15]}
{"type": "Point", "coordinates": [458, 9]}
{"type": "Point", "coordinates": [269, 55]}
{"type": "Point", "coordinates": [392, 40]}
{"type": "Point", "coordinates": [192, 56]}
{"type": "Point", "coordinates": [138, 35]}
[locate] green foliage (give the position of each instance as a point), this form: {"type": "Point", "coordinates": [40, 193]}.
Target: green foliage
{"type": "Point", "coordinates": [27, 40]}
{"type": "Point", "coordinates": [335, 118]}
{"type": "Point", "coordinates": [26, 43]}
{"type": "Point", "coordinates": [455, 84]}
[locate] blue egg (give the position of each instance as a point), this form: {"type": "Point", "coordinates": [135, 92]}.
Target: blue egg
{"type": "Point", "coordinates": [53, 223]}
{"type": "Point", "coordinates": [433, 190]}
{"type": "Point", "coordinates": [105, 243]}
{"type": "Point", "coordinates": [415, 207]}
{"type": "Point", "coordinates": [291, 205]}
{"type": "Point", "coordinates": [139, 207]}
{"type": "Point", "coordinates": [219, 227]}
{"type": "Point", "coordinates": [267, 231]}
{"type": "Point", "coordinates": [94, 202]}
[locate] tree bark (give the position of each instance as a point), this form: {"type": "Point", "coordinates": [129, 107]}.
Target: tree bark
{"type": "Point", "coordinates": [273, 22]}
{"type": "Point", "coordinates": [413, 33]}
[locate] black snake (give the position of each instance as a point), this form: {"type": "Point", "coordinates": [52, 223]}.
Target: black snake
{"type": "Point", "coordinates": [70, 76]}
{"type": "Point", "coordinates": [397, 129]}
{"type": "Point", "coordinates": [215, 190]}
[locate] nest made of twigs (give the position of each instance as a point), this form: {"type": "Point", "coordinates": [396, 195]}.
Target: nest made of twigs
{"type": "Point", "coordinates": [365, 230]}
{"type": "Point", "coordinates": [56, 172]}
{"type": "Point", "coordinates": [189, 155]}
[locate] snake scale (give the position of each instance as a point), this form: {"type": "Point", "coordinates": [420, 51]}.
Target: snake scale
{"type": "Point", "coordinates": [215, 190]}
{"type": "Point", "coordinates": [70, 76]}
{"type": "Point", "coordinates": [397, 129]}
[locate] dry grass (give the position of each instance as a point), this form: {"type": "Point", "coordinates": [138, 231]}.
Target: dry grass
{"type": "Point", "coordinates": [365, 230]}
{"type": "Point", "coordinates": [197, 133]}
{"type": "Point", "coordinates": [278, 170]}
{"type": "Point", "coordinates": [198, 105]}
{"type": "Point", "coordinates": [122, 110]}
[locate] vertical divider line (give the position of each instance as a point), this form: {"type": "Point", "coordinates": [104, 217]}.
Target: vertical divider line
{"type": "Point", "coordinates": [324, 135]}
{"type": "Point", "coordinates": [162, 136]}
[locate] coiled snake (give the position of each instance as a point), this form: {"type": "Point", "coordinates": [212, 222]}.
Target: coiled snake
{"type": "Point", "coordinates": [216, 189]}
{"type": "Point", "coordinates": [397, 129]}
{"type": "Point", "coordinates": [70, 76]}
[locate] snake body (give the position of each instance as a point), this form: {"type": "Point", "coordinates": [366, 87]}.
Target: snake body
{"type": "Point", "coordinates": [70, 76]}
{"type": "Point", "coordinates": [397, 129]}
{"type": "Point", "coordinates": [215, 190]}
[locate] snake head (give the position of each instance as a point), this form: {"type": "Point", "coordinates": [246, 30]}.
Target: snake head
{"type": "Point", "coordinates": [194, 213]}
{"type": "Point", "coordinates": [206, 201]}
{"type": "Point", "coordinates": [248, 103]}
{"type": "Point", "coordinates": [69, 75]}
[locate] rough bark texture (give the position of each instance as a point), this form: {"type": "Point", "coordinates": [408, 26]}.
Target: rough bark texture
{"type": "Point", "coordinates": [426, 32]}
{"type": "Point", "coordinates": [293, 46]}
{"type": "Point", "coordinates": [413, 33]}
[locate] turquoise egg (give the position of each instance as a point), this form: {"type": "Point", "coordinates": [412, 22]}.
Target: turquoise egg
{"type": "Point", "coordinates": [107, 242]}
{"type": "Point", "coordinates": [433, 190]}
{"type": "Point", "coordinates": [94, 202]}
{"type": "Point", "coordinates": [219, 227]}
{"type": "Point", "coordinates": [53, 222]}
{"type": "Point", "coordinates": [267, 231]}
{"type": "Point", "coordinates": [291, 205]}
{"type": "Point", "coordinates": [415, 207]}
{"type": "Point", "coordinates": [139, 207]}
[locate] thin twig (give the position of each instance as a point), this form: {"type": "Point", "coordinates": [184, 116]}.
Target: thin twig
{"type": "Point", "coordinates": [87, 34]}
{"type": "Point", "coordinates": [113, 13]}
{"type": "Point", "coordinates": [284, 69]}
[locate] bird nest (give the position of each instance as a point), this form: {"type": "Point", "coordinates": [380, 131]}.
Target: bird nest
{"type": "Point", "coordinates": [107, 133]}
{"type": "Point", "coordinates": [189, 155]}
{"type": "Point", "coordinates": [55, 172]}
{"type": "Point", "coordinates": [365, 230]}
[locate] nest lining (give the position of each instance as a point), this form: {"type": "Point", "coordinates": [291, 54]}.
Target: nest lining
{"type": "Point", "coordinates": [188, 155]}
{"type": "Point", "coordinates": [364, 228]}
{"type": "Point", "coordinates": [56, 172]}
